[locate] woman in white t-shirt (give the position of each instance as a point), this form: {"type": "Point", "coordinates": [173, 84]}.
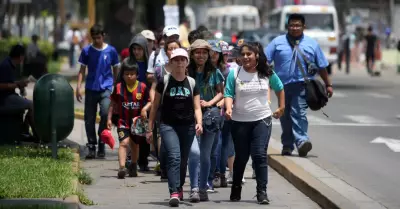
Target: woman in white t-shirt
{"type": "Point", "coordinates": [251, 116]}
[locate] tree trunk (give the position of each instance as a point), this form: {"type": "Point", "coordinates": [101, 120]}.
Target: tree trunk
{"type": "Point", "coordinates": [182, 15]}
{"type": "Point", "coordinates": [155, 14]}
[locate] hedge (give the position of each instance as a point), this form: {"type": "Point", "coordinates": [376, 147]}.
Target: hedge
{"type": "Point", "coordinates": [5, 45]}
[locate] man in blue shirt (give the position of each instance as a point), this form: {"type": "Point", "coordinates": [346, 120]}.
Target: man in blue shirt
{"type": "Point", "coordinates": [10, 101]}
{"type": "Point", "coordinates": [99, 58]}
{"type": "Point", "coordinates": [280, 51]}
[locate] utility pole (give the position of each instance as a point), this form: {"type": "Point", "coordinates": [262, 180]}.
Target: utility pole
{"type": "Point", "coordinates": [92, 12]}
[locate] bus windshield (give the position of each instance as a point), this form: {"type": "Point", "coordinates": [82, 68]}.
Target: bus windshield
{"type": "Point", "coordinates": [317, 21]}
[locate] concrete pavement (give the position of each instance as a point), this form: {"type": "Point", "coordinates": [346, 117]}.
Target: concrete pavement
{"type": "Point", "coordinates": [147, 191]}
{"type": "Point", "coordinates": [359, 143]}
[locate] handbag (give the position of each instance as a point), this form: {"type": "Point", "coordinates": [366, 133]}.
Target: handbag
{"type": "Point", "coordinates": [316, 94]}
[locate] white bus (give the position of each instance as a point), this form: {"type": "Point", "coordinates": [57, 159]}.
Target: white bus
{"type": "Point", "coordinates": [321, 24]}
{"type": "Point", "coordinates": [233, 18]}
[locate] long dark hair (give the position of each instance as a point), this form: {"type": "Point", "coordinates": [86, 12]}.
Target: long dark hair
{"type": "Point", "coordinates": [208, 67]}
{"type": "Point", "coordinates": [263, 68]}
{"type": "Point", "coordinates": [220, 63]}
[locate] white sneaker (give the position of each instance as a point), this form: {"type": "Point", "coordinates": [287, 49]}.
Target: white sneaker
{"type": "Point", "coordinates": [243, 180]}
{"type": "Point", "coordinates": [230, 176]}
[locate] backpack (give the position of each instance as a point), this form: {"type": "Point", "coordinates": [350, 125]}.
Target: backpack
{"type": "Point", "coordinates": [192, 83]}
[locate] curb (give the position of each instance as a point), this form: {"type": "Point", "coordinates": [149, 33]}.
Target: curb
{"type": "Point", "coordinates": [316, 190]}
{"type": "Point", "coordinates": [80, 116]}
{"type": "Point", "coordinates": [73, 200]}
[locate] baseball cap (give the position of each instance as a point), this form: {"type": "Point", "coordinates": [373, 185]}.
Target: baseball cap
{"type": "Point", "coordinates": [225, 47]}
{"type": "Point", "coordinates": [215, 46]}
{"type": "Point", "coordinates": [148, 34]}
{"type": "Point", "coordinates": [170, 30]}
{"type": "Point", "coordinates": [179, 53]}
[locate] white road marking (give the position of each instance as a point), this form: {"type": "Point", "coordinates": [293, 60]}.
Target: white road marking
{"type": "Point", "coordinates": [393, 144]}
{"type": "Point", "coordinates": [314, 119]}
{"type": "Point", "coordinates": [379, 95]}
{"type": "Point", "coordinates": [365, 119]}
{"type": "Point", "coordinates": [338, 94]}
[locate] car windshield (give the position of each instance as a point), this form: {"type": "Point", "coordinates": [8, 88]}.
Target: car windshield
{"type": "Point", "coordinates": [322, 22]}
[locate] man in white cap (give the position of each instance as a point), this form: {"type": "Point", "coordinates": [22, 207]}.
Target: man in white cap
{"type": "Point", "coordinates": [149, 35]}
{"type": "Point", "coordinates": [158, 59]}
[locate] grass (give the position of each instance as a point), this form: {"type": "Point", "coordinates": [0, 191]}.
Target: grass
{"type": "Point", "coordinates": [54, 66]}
{"type": "Point", "coordinates": [83, 198]}
{"type": "Point", "coordinates": [84, 177]}
{"type": "Point", "coordinates": [31, 173]}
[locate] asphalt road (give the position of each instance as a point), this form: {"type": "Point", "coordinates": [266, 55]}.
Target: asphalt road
{"type": "Point", "coordinates": [362, 109]}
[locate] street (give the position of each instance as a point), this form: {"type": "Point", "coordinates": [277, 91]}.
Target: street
{"type": "Point", "coordinates": [346, 144]}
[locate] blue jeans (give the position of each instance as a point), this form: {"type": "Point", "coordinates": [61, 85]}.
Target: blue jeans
{"type": "Point", "coordinates": [294, 121]}
{"type": "Point", "coordinates": [251, 138]}
{"type": "Point", "coordinates": [215, 157]}
{"type": "Point", "coordinates": [92, 99]}
{"type": "Point", "coordinates": [194, 163]}
{"type": "Point", "coordinates": [177, 141]}
{"type": "Point", "coordinates": [227, 148]}
{"type": "Point", "coordinates": [211, 126]}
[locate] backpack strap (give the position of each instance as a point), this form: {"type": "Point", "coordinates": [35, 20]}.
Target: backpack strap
{"type": "Point", "coordinates": [166, 80]}
{"type": "Point", "coordinates": [155, 57]}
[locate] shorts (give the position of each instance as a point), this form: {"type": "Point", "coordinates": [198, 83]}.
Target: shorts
{"type": "Point", "coordinates": [123, 133]}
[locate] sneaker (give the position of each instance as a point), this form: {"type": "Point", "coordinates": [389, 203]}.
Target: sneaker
{"type": "Point", "coordinates": [121, 173]}
{"type": "Point", "coordinates": [224, 182]}
{"type": "Point", "coordinates": [286, 151]}
{"type": "Point", "coordinates": [262, 198]}
{"type": "Point", "coordinates": [210, 189]}
{"type": "Point", "coordinates": [243, 180]}
{"type": "Point", "coordinates": [194, 195]}
{"type": "Point", "coordinates": [253, 176]}
{"type": "Point", "coordinates": [92, 152]}
{"type": "Point", "coordinates": [174, 200]}
{"type": "Point", "coordinates": [164, 176]}
{"type": "Point", "coordinates": [230, 178]}
{"type": "Point", "coordinates": [216, 181]}
{"type": "Point", "coordinates": [236, 193]}
{"type": "Point", "coordinates": [203, 195]}
{"type": "Point", "coordinates": [304, 148]}
{"type": "Point", "coordinates": [101, 153]}
{"type": "Point", "coordinates": [132, 170]}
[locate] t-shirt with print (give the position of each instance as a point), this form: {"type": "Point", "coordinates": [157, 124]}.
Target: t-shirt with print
{"type": "Point", "coordinates": [177, 107]}
{"type": "Point", "coordinates": [251, 94]}
{"type": "Point", "coordinates": [208, 88]}
{"type": "Point", "coordinates": [130, 102]}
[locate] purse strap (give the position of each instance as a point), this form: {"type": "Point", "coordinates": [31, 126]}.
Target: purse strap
{"type": "Point", "coordinates": [295, 47]}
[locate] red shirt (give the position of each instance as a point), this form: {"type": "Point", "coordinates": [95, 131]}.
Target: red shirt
{"type": "Point", "coordinates": [129, 103]}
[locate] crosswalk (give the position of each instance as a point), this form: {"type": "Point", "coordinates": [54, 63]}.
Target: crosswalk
{"type": "Point", "coordinates": [318, 119]}
{"type": "Point", "coordinates": [375, 95]}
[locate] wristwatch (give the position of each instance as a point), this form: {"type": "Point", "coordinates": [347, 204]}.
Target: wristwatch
{"type": "Point", "coordinates": [328, 85]}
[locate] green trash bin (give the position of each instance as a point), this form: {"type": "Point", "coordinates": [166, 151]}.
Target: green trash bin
{"type": "Point", "coordinates": [53, 103]}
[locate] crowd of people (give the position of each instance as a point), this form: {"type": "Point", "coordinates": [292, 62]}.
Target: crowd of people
{"type": "Point", "coordinates": [203, 108]}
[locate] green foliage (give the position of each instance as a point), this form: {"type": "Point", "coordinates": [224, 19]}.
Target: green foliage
{"type": "Point", "coordinates": [5, 45]}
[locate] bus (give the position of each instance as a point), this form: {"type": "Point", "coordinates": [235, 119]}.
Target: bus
{"type": "Point", "coordinates": [321, 24]}
{"type": "Point", "coordinates": [227, 21]}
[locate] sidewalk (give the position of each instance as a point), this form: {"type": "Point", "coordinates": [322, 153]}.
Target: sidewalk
{"type": "Point", "coordinates": [147, 191]}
